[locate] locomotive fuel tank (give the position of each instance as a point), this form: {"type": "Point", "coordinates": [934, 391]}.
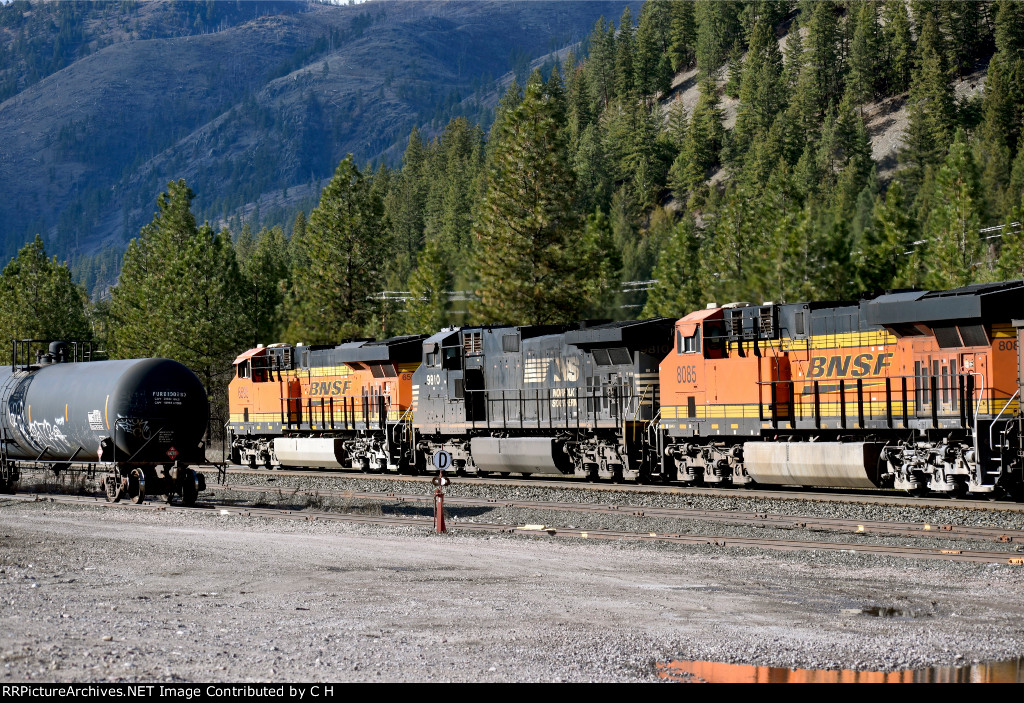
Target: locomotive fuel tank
{"type": "Point", "coordinates": [155, 410]}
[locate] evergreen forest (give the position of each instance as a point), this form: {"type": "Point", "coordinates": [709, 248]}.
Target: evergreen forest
{"type": "Point", "coordinates": [601, 190]}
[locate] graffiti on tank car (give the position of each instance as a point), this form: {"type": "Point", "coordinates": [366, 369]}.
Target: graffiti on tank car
{"type": "Point", "coordinates": [133, 426]}
{"type": "Point", "coordinates": [328, 388]}
{"type": "Point", "coordinates": [49, 435]}
{"type": "Point", "coordinates": [841, 366]}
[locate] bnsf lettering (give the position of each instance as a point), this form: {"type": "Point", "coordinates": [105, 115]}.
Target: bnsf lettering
{"type": "Point", "coordinates": [840, 366]}
{"type": "Point", "coordinates": [322, 388]}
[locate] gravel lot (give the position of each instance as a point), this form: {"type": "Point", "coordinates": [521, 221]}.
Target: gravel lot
{"type": "Point", "coordinates": [122, 594]}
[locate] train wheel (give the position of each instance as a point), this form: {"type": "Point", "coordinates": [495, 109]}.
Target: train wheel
{"type": "Point", "coordinates": [189, 488]}
{"type": "Point", "coordinates": [137, 486]}
{"type": "Point", "coordinates": [960, 489]}
{"type": "Point", "coordinates": [112, 487]}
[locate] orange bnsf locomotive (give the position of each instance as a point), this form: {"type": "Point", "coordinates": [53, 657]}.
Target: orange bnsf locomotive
{"type": "Point", "coordinates": [912, 390]}
{"type": "Point", "coordinates": [343, 406]}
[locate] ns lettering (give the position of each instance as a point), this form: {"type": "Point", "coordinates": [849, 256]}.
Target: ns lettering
{"type": "Point", "coordinates": [840, 366]}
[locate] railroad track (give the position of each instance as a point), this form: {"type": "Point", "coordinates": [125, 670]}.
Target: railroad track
{"type": "Point", "coordinates": [732, 517]}
{"type": "Point", "coordinates": [425, 523]}
{"type": "Point", "coordinates": [788, 493]}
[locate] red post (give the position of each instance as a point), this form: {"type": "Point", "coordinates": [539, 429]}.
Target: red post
{"type": "Point", "coordinates": [439, 511]}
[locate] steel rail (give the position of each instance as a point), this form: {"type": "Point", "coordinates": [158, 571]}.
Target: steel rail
{"type": "Point", "coordinates": [985, 503]}
{"type": "Point", "coordinates": [756, 518]}
{"type": "Point", "coordinates": [957, 555]}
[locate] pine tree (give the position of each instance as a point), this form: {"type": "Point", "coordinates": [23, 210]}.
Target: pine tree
{"type": "Point", "coordinates": [1002, 107]}
{"type": "Point", "coordinates": [509, 101]}
{"type": "Point", "coordinates": [734, 254]}
{"type": "Point", "coordinates": [245, 244]}
{"type": "Point", "coordinates": [600, 66]}
{"type": "Point", "coordinates": [898, 44]}
{"type": "Point", "coordinates": [677, 290]}
{"type": "Point", "coordinates": [882, 259]}
{"type": "Point", "coordinates": [825, 59]}
{"type": "Point", "coordinates": [590, 165]}
{"type": "Point", "coordinates": [633, 149]}
{"type": "Point", "coordinates": [625, 72]}
{"type": "Point", "coordinates": [969, 29]}
{"type": "Point", "coordinates": [40, 300]}
{"type": "Point", "coordinates": [333, 298]}
{"type": "Point", "coordinates": [652, 62]}
{"type": "Point", "coordinates": [406, 202]}
{"type": "Point", "coordinates": [675, 125]}
{"type": "Point", "coordinates": [578, 109]}
{"type": "Point", "coordinates": [953, 246]}
{"type": "Point", "coordinates": [527, 264]}
{"type": "Point", "coordinates": [844, 145]}
{"type": "Point", "coordinates": [718, 28]}
{"type": "Point", "coordinates": [932, 112]}
{"type": "Point", "coordinates": [863, 80]}
{"type": "Point", "coordinates": [297, 255]}
{"type": "Point", "coordinates": [450, 173]}
{"type": "Point", "coordinates": [427, 308]}
{"type": "Point", "coordinates": [683, 35]}
{"type": "Point", "coordinates": [793, 57]}
{"type": "Point", "coordinates": [265, 279]}
{"type": "Point", "coordinates": [1010, 264]}
{"type": "Point", "coordinates": [598, 246]}
{"type": "Point", "coordinates": [701, 146]}
{"type": "Point", "coordinates": [180, 294]}
{"type": "Point", "coordinates": [761, 93]}
{"type": "Point", "coordinates": [813, 250]}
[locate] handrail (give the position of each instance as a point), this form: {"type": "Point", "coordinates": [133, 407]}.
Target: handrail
{"type": "Point", "coordinates": [996, 419]}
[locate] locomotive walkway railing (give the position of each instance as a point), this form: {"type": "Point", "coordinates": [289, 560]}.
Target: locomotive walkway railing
{"type": "Point", "coordinates": [347, 413]}
{"type": "Point", "coordinates": [894, 402]}
{"type": "Point", "coordinates": [552, 408]}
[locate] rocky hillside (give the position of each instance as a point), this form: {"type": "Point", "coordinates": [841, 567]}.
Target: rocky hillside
{"type": "Point", "coordinates": [255, 102]}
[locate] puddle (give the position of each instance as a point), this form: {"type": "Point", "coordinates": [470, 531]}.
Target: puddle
{"type": "Point", "coordinates": [878, 611]}
{"type": "Point", "coordinates": [1011, 671]}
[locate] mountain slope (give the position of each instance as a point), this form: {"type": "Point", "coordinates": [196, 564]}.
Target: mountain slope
{"type": "Point", "coordinates": [247, 109]}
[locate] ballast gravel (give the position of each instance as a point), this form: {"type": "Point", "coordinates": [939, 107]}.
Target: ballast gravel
{"type": "Point", "coordinates": [95, 593]}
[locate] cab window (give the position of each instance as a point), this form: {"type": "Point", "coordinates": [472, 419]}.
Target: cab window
{"type": "Point", "coordinates": [245, 370]}
{"type": "Point", "coordinates": [714, 339]}
{"type": "Point", "coordinates": [688, 345]}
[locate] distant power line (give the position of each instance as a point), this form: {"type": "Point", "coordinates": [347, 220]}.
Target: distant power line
{"type": "Point", "coordinates": [984, 232]}
{"type": "Point", "coordinates": [459, 296]}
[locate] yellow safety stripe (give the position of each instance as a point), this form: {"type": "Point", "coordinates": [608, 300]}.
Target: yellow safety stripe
{"type": "Point", "coordinates": [805, 411]}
